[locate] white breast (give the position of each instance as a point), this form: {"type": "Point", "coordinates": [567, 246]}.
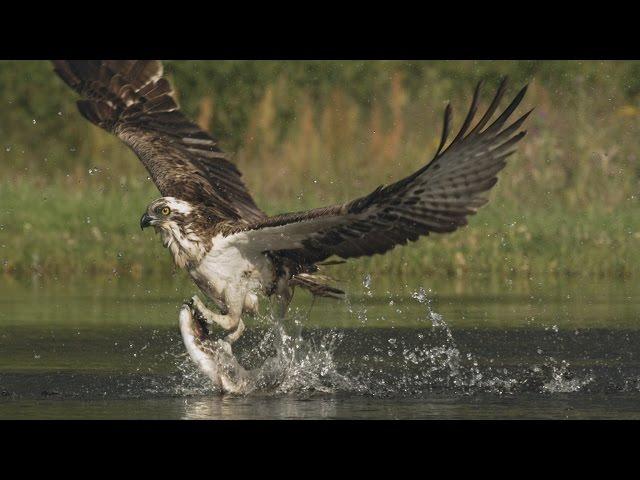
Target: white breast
{"type": "Point", "coordinates": [231, 269]}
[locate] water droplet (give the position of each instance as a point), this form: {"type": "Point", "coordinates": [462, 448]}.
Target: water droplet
{"type": "Point", "coordinates": [420, 295]}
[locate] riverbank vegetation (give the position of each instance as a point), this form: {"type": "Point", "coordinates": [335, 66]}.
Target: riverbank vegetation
{"type": "Point", "coordinates": [308, 134]}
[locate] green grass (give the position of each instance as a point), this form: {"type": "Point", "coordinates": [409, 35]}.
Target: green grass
{"type": "Point", "coordinates": [61, 230]}
{"type": "Point", "coordinates": [308, 134]}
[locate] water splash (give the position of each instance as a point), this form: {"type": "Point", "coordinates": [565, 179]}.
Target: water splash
{"type": "Point", "coordinates": [366, 283]}
{"type": "Point", "coordinates": [302, 365]}
{"type": "Point", "coordinates": [286, 363]}
{"type": "Point", "coordinates": [562, 381]}
{"type": "Point", "coordinates": [435, 363]}
{"type": "Point", "coordinates": [294, 361]}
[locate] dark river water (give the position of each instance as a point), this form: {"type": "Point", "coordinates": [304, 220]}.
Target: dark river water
{"type": "Point", "coordinates": [412, 349]}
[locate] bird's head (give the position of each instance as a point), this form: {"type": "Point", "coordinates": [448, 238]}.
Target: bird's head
{"type": "Point", "coordinates": [166, 213]}
{"type": "Point", "coordinates": [174, 219]}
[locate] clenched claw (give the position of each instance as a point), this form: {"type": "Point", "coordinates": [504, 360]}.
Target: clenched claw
{"type": "Point", "coordinates": [228, 322]}
{"type": "Point", "coordinates": [232, 337]}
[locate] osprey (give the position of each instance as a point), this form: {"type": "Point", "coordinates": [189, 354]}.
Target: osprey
{"type": "Point", "coordinates": [232, 250]}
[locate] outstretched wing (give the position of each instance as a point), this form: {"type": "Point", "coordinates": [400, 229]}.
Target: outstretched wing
{"type": "Point", "coordinates": [436, 198]}
{"type": "Point", "coordinates": [133, 100]}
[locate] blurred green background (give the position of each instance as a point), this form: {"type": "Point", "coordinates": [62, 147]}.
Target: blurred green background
{"type": "Point", "coordinates": [311, 133]}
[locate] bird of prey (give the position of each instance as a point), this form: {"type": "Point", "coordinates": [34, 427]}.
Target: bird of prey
{"type": "Point", "coordinates": [232, 250]}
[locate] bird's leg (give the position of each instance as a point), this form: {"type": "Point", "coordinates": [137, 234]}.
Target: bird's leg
{"type": "Point", "coordinates": [283, 296]}
{"type": "Point", "coordinates": [282, 305]}
{"type": "Point", "coordinates": [209, 316]}
{"type": "Point", "coordinates": [230, 321]}
{"type": "Point", "coordinates": [218, 303]}
{"type": "Point", "coordinates": [279, 307]}
{"type": "Point", "coordinates": [237, 333]}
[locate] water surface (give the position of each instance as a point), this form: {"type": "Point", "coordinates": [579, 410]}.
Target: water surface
{"type": "Point", "coordinates": [416, 348]}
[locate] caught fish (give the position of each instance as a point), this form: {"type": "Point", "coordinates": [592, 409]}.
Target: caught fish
{"type": "Point", "coordinates": [213, 357]}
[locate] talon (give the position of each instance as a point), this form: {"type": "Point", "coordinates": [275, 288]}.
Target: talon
{"type": "Point", "coordinates": [225, 346]}
{"type": "Point", "coordinates": [235, 335]}
{"type": "Point", "coordinates": [198, 315]}
{"type": "Point", "coordinates": [188, 303]}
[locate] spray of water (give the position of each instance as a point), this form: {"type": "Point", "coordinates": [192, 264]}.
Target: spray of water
{"type": "Point", "coordinates": [295, 362]}
{"type": "Point", "coordinates": [287, 363]}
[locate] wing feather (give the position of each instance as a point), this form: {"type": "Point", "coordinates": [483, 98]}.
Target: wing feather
{"type": "Point", "coordinates": [133, 100]}
{"type": "Point", "coordinates": [438, 198]}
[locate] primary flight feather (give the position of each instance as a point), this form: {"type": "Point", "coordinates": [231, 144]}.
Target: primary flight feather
{"type": "Point", "coordinates": [234, 251]}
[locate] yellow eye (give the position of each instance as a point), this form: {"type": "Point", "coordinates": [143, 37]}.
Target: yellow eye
{"type": "Point", "coordinates": [166, 211]}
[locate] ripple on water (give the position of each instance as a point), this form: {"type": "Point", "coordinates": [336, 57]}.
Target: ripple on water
{"type": "Point", "coordinates": [379, 362]}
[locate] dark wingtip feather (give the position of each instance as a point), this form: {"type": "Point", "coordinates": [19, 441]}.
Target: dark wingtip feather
{"type": "Point", "coordinates": [492, 107]}
{"type": "Point", "coordinates": [473, 108]}
{"type": "Point", "coordinates": [61, 67]}
{"type": "Point", "coordinates": [518, 98]}
{"type": "Point", "coordinates": [504, 116]}
{"type": "Point", "coordinates": [526, 114]}
{"type": "Point", "coordinates": [445, 128]}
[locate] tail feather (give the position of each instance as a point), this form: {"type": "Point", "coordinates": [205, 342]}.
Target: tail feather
{"type": "Point", "coordinates": [317, 284]}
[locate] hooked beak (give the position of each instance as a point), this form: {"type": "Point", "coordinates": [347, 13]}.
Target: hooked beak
{"type": "Point", "coordinates": [145, 221]}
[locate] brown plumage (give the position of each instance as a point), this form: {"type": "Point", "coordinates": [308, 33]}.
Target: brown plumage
{"type": "Point", "coordinates": [437, 198]}
{"type": "Point", "coordinates": [133, 100]}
